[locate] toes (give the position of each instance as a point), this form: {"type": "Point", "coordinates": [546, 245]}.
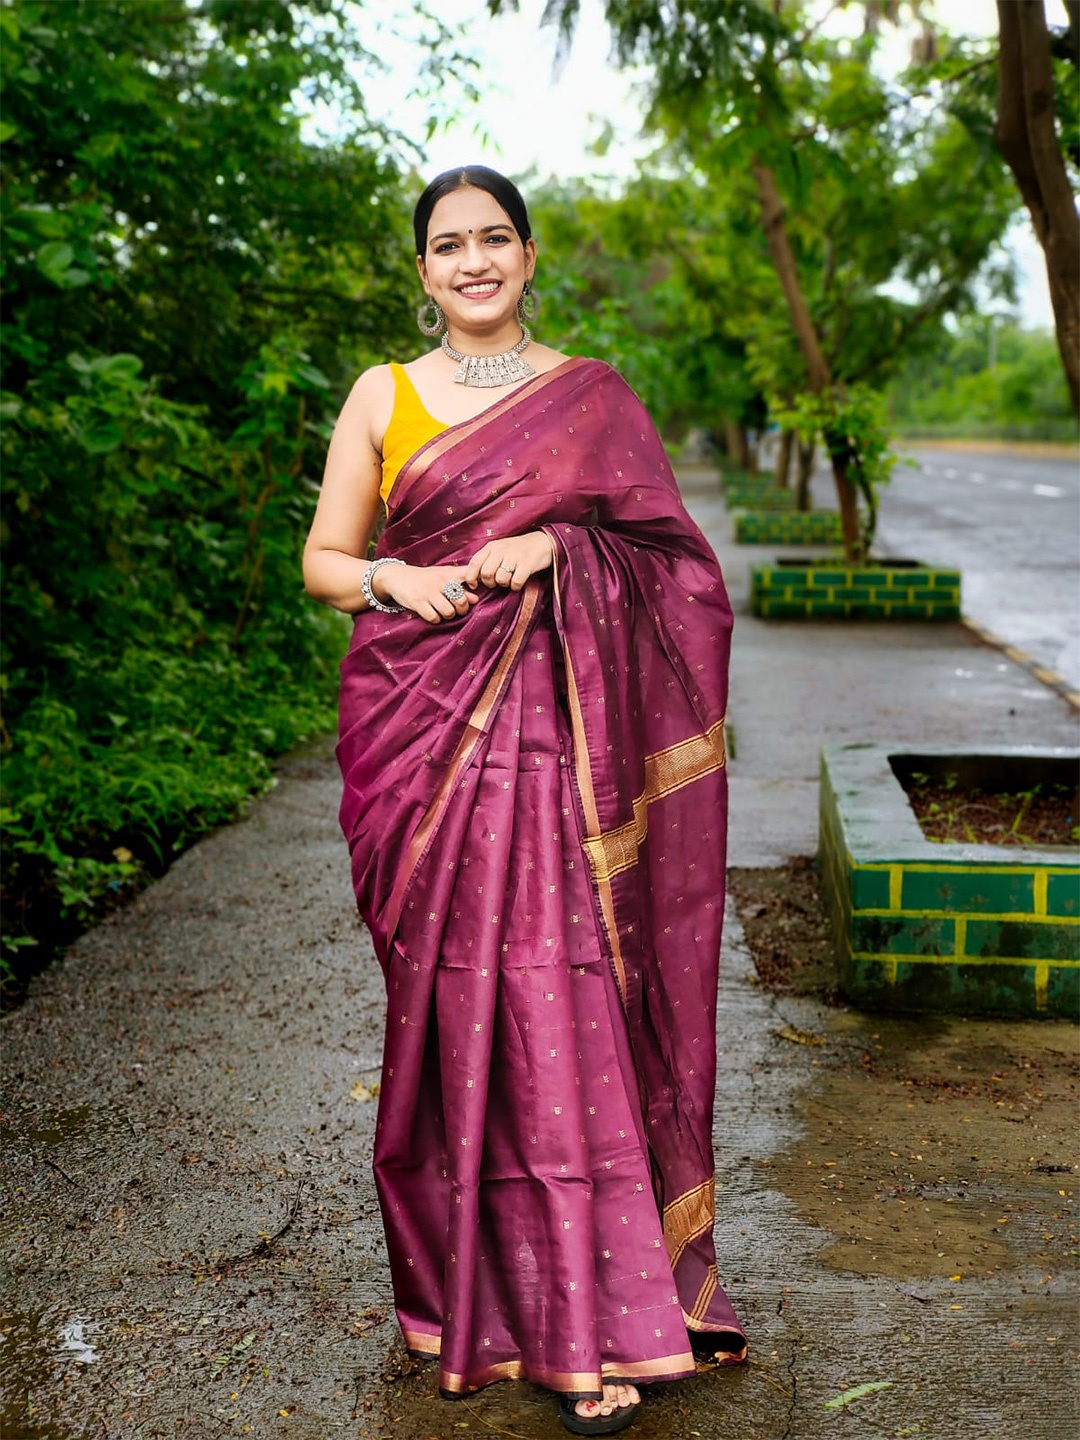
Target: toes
{"type": "Point", "coordinates": [616, 1397]}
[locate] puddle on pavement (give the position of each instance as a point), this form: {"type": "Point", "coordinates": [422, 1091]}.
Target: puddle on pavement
{"type": "Point", "coordinates": [80, 1130]}
{"type": "Point", "coordinates": [33, 1349]}
{"type": "Point", "coordinates": [940, 1151]}
{"type": "Point", "coordinates": [61, 1140]}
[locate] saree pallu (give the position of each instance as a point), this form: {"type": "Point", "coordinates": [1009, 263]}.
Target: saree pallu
{"type": "Point", "coordinates": [535, 804]}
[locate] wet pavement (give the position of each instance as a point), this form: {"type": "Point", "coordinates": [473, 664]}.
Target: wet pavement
{"type": "Point", "coordinates": [190, 1227]}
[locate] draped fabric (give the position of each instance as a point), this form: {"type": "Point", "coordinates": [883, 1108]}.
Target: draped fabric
{"type": "Point", "coordinates": [535, 804]}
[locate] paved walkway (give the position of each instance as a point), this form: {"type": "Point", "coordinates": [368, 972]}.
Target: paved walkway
{"type": "Point", "coordinates": [189, 1223]}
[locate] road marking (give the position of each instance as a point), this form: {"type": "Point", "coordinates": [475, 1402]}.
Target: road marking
{"type": "Point", "coordinates": [950, 474]}
{"type": "Point", "coordinates": [1043, 673]}
{"type": "Point", "coordinates": [1051, 490]}
{"type": "Point", "coordinates": [977, 476]}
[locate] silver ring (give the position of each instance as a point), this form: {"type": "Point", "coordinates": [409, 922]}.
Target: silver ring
{"type": "Point", "coordinates": [454, 590]}
{"type": "Point", "coordinates": [508, 568]}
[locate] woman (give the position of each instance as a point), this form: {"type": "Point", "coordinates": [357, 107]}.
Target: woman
{"type": "Point", "coordinates": [532, 748]}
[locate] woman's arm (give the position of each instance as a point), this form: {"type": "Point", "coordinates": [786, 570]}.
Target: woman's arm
{"type": "Point", "coordinates": [335, 555]}
{"type": "Point", "coordinates": [336, 548]}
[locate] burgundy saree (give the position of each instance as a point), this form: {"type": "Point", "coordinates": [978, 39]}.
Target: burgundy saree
{"type": "Point", "coordinates": [535, 804]}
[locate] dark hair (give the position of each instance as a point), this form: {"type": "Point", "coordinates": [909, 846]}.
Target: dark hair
{"type": "Point", "coordinates": [496, 185]}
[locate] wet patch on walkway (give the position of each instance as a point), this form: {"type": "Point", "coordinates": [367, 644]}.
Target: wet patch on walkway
{"type": "Point", "coordinates": [191, 1231]}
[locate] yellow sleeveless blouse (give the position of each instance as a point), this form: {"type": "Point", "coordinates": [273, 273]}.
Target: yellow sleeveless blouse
{"type": "Point", "coordinates": [410, 427]}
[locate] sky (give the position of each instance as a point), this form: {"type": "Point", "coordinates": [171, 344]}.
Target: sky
{"type": "Point", "coordinates": [532, 116]}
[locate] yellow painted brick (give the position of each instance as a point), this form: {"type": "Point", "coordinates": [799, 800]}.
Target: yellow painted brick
{"type": "Point", "coordinates": [1041, 878]}
{"type": "Point", "coordinates": [1022, 962]}
{"type": "Point", "coordinates": [1042, 981]}
{"type": "Point", "coordinates": [896, 886]}
{"type": "Point", "coordinates": [1020, 915]}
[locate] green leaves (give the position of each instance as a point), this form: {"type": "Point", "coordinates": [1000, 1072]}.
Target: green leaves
{"type": "Point", "coordinates": [55, 260]}
{"type": "Point", "coordinates": [987, 377]}
{"type": "Point", "coordinates": [857, 1392]}
{"type": "Point", "coordinates": [113, 369]}
{"type": "Point", "coordinates": [193, 279]}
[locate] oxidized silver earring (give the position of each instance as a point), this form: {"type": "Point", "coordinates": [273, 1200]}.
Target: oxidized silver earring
{"type": "Point", "coordinates": [528, 306]}
{"type": "Point", "coordinates": [427, 325]}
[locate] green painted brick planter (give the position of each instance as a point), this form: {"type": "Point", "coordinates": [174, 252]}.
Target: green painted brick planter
{"type": "Point", "coordinates": [877, 590]}
{"type": "Point", "coordinates": [753, 497]}
{"type": "Point", "coordinates": [920, 926]}
{"type": "Point", "coordinates": [787, 527]}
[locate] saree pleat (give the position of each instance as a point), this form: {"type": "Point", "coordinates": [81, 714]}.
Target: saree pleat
{"type": "Point", "coordinates": [535, 800]}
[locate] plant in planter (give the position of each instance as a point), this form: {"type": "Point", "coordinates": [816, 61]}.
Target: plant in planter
{"type": "Point", "coordinates": [855, 584]}
{"type": "Point", "coordinates": [853, 424]}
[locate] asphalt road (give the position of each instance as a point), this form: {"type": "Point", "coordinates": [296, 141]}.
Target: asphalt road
{"type": "Point", "coordinates": [1012, 524]}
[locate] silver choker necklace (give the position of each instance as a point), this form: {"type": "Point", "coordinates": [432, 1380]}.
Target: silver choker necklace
{"type": "Point", "coordinates": [486, 371]}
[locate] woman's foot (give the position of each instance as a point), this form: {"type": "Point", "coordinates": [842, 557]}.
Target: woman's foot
{"type": "Point", "coordinates": [601, 1417]}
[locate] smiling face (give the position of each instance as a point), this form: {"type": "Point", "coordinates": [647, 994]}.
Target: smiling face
{"type": "Point", "coordinates": [475, 267]}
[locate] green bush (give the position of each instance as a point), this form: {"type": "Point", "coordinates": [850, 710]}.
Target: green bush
{"type": "Point", "coordinates": [986, 380]}
{"type": "Point", "coordinates": [191, 283]}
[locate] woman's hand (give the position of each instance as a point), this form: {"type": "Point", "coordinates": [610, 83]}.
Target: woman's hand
{"type": "Point", "coordinates": [419, 588]}
{"type": "Point", "coordinates": [510, 562]}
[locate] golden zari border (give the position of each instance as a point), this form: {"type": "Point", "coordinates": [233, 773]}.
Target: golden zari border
{"type": "Point", "coordinates": [665, 772]}
{"type": "Point", "coordinates": [570, 1382]}
{"type": "Point", "coordinates": [688, 1217]}
{"type": "Point", "coordinates": [421, 1342]}
{"type": "Point", "coordinates": [709, 1287]}
{"type": "Point", "coordinates": [583, 775]}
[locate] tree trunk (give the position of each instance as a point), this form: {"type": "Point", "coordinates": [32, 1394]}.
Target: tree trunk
{"type": "Point", "coordinates": [782, 473]}
{"type": "Point", "coordinates": [1026, 135]}
{"type": "Point", "coordinates": [753, 442]}
{"type": "Point", "coordinates": [807, 453]}
{"type": "Point", "coordinates": [772, 219]}
{"type": "Point", "coordinates": [738, 445]}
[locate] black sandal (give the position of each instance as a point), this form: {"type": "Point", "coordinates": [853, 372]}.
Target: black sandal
{"type": "Point", "coordinates": [622, 1416]}
{"type": "Point", "coordinates": [707, 1347]}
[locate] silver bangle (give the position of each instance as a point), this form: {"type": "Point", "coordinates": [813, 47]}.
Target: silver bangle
{"type": "Point", "coordinates": [369, 594]}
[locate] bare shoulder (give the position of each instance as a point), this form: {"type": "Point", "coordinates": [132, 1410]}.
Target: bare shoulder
{"type": "Point", "coordinates": [543, 358]}
{"type": "Point", "coordinates": [373, 385]}
{"type": "Point", "coordinates": [371, 401]}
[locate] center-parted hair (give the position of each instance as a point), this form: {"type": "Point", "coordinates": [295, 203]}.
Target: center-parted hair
{"type": "Point", "coordinates": [461, 178]}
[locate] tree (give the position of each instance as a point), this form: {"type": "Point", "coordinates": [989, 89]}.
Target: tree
{"type": "Point", "coordinates": [652, 304]}
{"type": "Point", "coordinates": [1027, 137]}
{"type": "Point", "coordinates": [985, 376]}
{"type": "Point", "coordinates": [192, 275]}
{"type": "Point", "coordinates": [850, 193]}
